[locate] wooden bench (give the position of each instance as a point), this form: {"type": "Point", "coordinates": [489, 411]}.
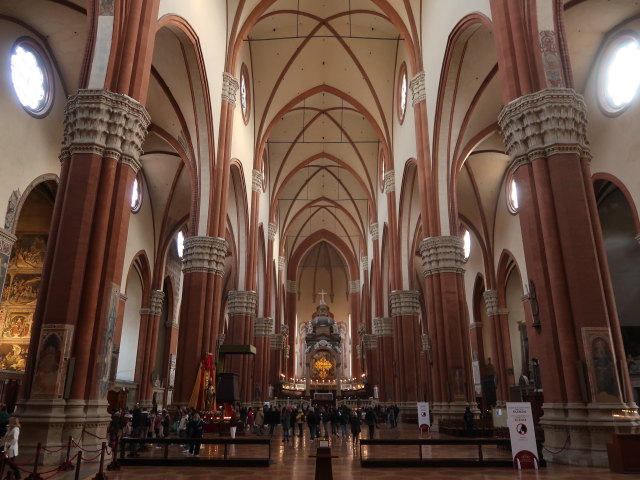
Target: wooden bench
{"type": "Point", "coordinates": [623, 453]}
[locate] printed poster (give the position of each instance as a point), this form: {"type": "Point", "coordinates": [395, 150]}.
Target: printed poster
{"type": "Point", "coordinates": [523, 436]}
{"type": "Point", "coordinates": [423, 414]}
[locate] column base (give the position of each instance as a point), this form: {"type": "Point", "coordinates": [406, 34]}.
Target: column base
{"type": "Point", "coordinates": [578, 433]}
{"type": "Point", "coordinates": [51, 422]}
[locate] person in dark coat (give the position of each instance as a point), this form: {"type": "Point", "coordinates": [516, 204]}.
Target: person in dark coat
{"type": "Point", "coordinates": [354, 421]}
{"type": "Point", "coordinates": [370, 420]}
{"type": "Point", "coordinates": [196, 426]}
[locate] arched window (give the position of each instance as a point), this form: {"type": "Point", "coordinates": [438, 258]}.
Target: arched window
{"type": "Point", "coordinates": [31, 77]}
{"type": "Point", "coordinates": [403, 92]}
{"type": "Point", "coordinates": [619, 76]}
{"type": "Point", "coordinates": [466, 237]}
{"type": "Point", "coordinates": [136, 194]}
{"type": "Point", "coordinates": [245, 97]}
{"type": "Point", "coordinates": [512, 195]}
{"type": "Point", "coordinates": [180, 243]}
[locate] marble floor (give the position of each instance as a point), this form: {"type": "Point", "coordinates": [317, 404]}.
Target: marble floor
{"type": "Point", "coordinates": [293, 461]}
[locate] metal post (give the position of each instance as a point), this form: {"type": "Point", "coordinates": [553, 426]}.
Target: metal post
{"type": "Point", "coordinates": [101, 475]}
{"type": "Point", "coordinates": [34, 475]}
{"type": "Point", "coordinates": [67, 465]}
{"type": "Point", "coordinates": [114, 457]}
{"type": "Point", "coordinates": [78, 465]}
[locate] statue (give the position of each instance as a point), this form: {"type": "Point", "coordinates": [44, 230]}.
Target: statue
{"type": "Point", "coordinates": [209, 395]}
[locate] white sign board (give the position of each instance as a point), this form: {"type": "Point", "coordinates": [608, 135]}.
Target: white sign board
{"type": "Point", "coordinates": [423, 414]}
{"type": "Point", "coordinates": [523, 436]}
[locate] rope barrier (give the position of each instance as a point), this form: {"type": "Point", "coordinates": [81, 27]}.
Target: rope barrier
{"type": "Point", "coordinates": [95, 436]}
{"type": "Point", "coordinates": [84, 449]}
{"type": "Point", "coordinates": [53, 449]}
{"type": "Point", "coordinates": [564, 447]}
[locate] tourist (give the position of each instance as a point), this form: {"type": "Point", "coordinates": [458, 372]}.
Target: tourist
{"type": "Point", "coordinates": [354, 421]}
{"type": "Point", "coordinates": [166, 423]}
{"type": "Point", "coordinates": [10, 442]}
{"type": "Point", "coordinates": [326, 418]}
{"type": "Point", "coordinates": [197, 429]}
{"type": "Point", "coordinates": [343, 419]}
{"type": "Point", "coordinates": [251, 417]}
{"type": "Point", "coordinates": [285, 421]}
{"type": "Point", "coordinates": [183, 425]}
{"type": "Point", "coordinates": [259, 421]}
{"type": "Point", "coordinates": [371, 421]}
{"type": "Point", "coordinates": [468, 421]}
{"type": "Point", "coordinates": [300, 421]}
{"type": "Point", "coordinates": [312, 422]}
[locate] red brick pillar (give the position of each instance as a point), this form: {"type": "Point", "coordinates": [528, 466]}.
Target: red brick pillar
{"type": "Point", "coordinates": [577, 323]}
{"type": "Point", "coordinates": [383, 337]}
{"type": "Point", "coordinates": [79, 298]}
{"type": "Point", "coordinates": [443, 261]}
{"type": "Point", "coordinates": [498, 329]}
{"type": "Point", "coordinates": [150, 346]}
{"type": "Point", "coordinates": [202, 264]}
{"type": "Point", "coordinates": [354, 304]}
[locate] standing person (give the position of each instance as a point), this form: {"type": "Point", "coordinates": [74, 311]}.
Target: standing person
{"type": "Point", "coordinates": [10, 441]}
{"type": "Point", "coordinates": [468, 421]}
{"type": "Point", "coordinates": [166, 423]}
{"type": "Point", "coordinates": [370, 420]}
{"type": "Point", "coordinates": [326, 418]}
{"type": "Point", "coordinates": [183, 424]}
{"type": "Point", "coordinates": [115, 427]}
{"type": "Point", "coordinates": [343, 419]}
{"type": "Point", "coordinates": [354, 421]}
{"type": "Point", "coordinates": [300, 421]}
{"type": "Point", "coordinates": [4, 422]}
{"type": "Point", "coordinates": [311, 421]}
{"type": "Point", "coordinates": [259, 421]}
{"type": "Point", "coordinates": [197, 429]}
{"type": "Point", "coordinates": [285, 421]}
{"type": "Point", "coordinates": [251, 417]}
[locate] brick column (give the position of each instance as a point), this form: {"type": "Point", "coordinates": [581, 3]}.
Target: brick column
{"type": "Point", "coordinates": [577, 329]}
{"type": "Point", "coordinates": [79, 297]}
{"type": "Point", "coordinates": [241, 310]}
{"type": "Point", "coordinates": [150, 345]}
{"type": "Point", "coordinates": [499, 334]}
{"type": "Point", "coordinates": [443, 263]}
{"type": "Point", "coordinates": [202, 264]}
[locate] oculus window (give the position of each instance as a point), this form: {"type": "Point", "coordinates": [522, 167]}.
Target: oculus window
{"type": "Point", "coordinates": [30, 77]}
{"type": "Point", "coordinates": [619, 76]}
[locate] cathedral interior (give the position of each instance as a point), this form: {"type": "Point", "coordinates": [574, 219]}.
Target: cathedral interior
{"type": "Point", "coordinates": [385, 201]}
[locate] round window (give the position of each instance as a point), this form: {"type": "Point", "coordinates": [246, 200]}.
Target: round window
{"type": "Point", "coordinates": [619, 76]}
{"type": "Point", "coordinates": [30, 77]}
{"type": "Point", "coordinates": [403, 92]}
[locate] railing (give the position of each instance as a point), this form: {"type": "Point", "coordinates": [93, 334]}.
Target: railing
{"type": "Point", "coordinates": [133, 451]}
{"type": "Point", "coordinates": [421, 461]}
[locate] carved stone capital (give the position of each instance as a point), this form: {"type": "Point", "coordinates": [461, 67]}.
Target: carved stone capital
{"type": "Point", "coordinates": [364, 263]}
{"type": "Point", "coordinates": [7, 239]}
{"type": "Point", "coordinates": [354, 286]}
{"type": "Point", "coordinates": [204, 254]}
{"type": "Point", "coordinates": [544, 123]}
{"type": "Point", "coordinates": [105, 123]}
{"type": "Point", "coordinates": [282, 261]}
{"type": "Point", "coordinates": [389, 181]}
{"type": "Point", "coordinates": [405, 303]}
{"type": "Point", "coordinates": [272, 229]}
{"type": "Point", "coordinates": [418, 89]}
{"type": "Point", "coordinates": [383, 326]}
{"type": "Point", "coordinates": [263, 327]}
{"type": "Point", "coordinates": [442, 254]}
{"type": "Point", "coordinates": [491, 302]}
{"type": "Point", "coordinates": [276, 341]}
{"type": "Point", "coordinates": [374, 231]}
{"type": "Point", "coordinates": [370, 341]}
{"type": "Point", "coordinates": [292, 286]}
{"type": "Point", "coordinates": [230, 87]}
{"type": "Point", "coordinates": [256, 181]}
{"type": "Point", "coordinates": [156, 302]}
{"type": "Point", "coordinates": [242, 302]}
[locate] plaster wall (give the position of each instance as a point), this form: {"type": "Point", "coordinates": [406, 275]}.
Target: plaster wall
{"type": "Point", "coordinates": [130, 329]}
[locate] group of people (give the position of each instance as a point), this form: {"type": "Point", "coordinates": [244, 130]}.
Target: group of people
{"type": "Point", "coordinates": [10, 433]}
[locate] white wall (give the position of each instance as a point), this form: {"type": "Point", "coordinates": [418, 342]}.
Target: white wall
{"type": "Point", "coordinates": [130, 329]}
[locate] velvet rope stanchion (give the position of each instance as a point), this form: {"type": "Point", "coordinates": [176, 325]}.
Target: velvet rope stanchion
{"type": "Point", "coordinates": [114, 457]}
{"type": "Point", "coordinates": [101, 475]}
{"type": "Point", "coordinates": [78, 465]}
{"type": "Point", "coordinates": [34, 475]}
{"type": "Point", "coordinates": [67, 465]}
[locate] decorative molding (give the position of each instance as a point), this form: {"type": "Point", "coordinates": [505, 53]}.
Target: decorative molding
{"type": "Point", "coordinates": [474, 325]}
{"type": "Point", "coordinates": [263, 327]}
{"type": "Point", "coordinates": [359, 351]}
{"type": "Point", "coordinates": [426, 342]}
{"type": "Point", "coordinates": [287, 349]}
{"type": "Point", "coordinates": [145, 311]}
{"type": "Point", "coordinates": [7, 239]}
{"type": "Point", "coordinates": [104, 123]}
{"type": "Point", "coordinates": [230, 87]}
{"type": "Point", "coordinates": [370, 341]}
{"type": "Point", "coordinates": [284, 330]}
{"type": "Point", "coordinates": [123, 297]}
{"type": "Point", "coordinates": [442, 254]}
{"type": "Point", "coordinates": [491, 302]}
{"type": "Point", "coordinates": [418, 89]}
{"type": "Point", "coordinates": [204, 254]}
{"type": "Point", "coordinates": [383, 326]}
{"type": "Point", "coordinates": [405, 303]}
{"type": "Point", "coordinates": [169, 324]}
{"type": "Point", "coordinates": [364, 263]}
{"type": "Point", "coordinates": [374, 231]}
{"type": "Point", "coordinates": [242, 302]}
{"type": "Point", "coordinates": [292, 286]}
{"type": "Point", "coordinates": [156, 302]}
{"type": "Point", "coordinates": [12, 210]}
{"type": "Point", "coordinates": [354, 286]}
{"type": "Point", "coordinates": [389, 181]}
{"type": "Point", "coordinates": [272, 229]}
{"type": "Point", "coordinates": [256, 180]}
{"type": "Point", "coordinates": [276, 341]}
{"type": "Point", "coordinates": [282, 262]}
{"type": "Point", "coordinates": [544, 123]}
{"type": "Point", "coordinates": [551, 63]}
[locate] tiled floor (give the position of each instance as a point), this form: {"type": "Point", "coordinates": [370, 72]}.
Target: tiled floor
{"type": "Point", "coordinates": [293, 461]}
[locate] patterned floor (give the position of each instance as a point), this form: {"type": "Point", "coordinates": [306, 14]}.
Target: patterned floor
{"type": "Point", "coordinates": [293, 461]}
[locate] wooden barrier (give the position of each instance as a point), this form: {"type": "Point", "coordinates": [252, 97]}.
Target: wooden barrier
{"type": "Point", "coordinates": [623, 453]}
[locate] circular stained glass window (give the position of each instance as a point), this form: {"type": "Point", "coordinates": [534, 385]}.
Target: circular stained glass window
{"type": "Point", "coordinates": [620, 73]}
{"type": "Point", "coordinates": [467, 244]}
{"type": "Point", "coordinates": [403, 92]}
{"type": "Point", "coordinates": [30, 78]}
{"type": "Point", "coordinates": [245, 104]}
{"type": "Point", "coordinates": [136, 195]}
{"type": "Point", "coordinates": [180, 243]}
